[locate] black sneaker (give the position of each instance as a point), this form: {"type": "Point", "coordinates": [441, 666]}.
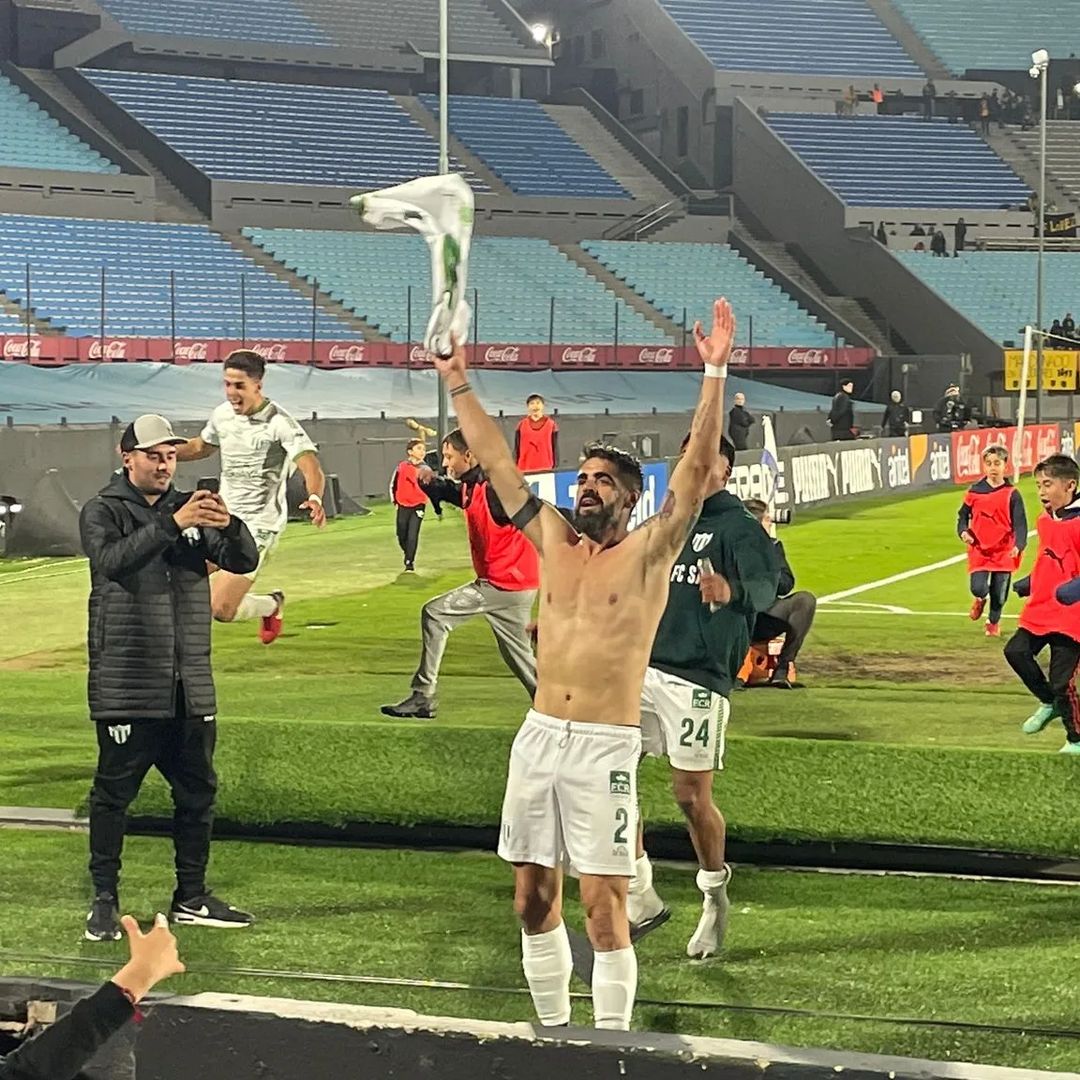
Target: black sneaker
{"type": "Point", "coordinates": [415, 707]}
{"type": "Point", "coordinates": [410, 568]}
{"type": "Point", "coordinates": [208, 910]}
{"type": "Point", "coordinates": [103, 919]}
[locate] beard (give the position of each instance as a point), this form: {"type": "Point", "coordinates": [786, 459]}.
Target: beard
{"type": "Point", "coordinates": [596, 524]}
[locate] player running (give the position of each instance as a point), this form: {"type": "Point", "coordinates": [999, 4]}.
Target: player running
{"type": "Point", "coordinates": [993, 523]}
{"type": "Point", "coordinates": [571, 792]}
{"type": "Point", "coordinates": [260, 444]}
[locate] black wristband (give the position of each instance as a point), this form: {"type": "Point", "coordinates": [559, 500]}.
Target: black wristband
{"type": "Point", "coordinates": [464, 388]}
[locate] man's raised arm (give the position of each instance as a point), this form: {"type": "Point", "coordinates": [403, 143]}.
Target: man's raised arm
{"type": "Point", "coordinates": [522, 506]}
{"type": "Point", "coordinates": [686, 488]}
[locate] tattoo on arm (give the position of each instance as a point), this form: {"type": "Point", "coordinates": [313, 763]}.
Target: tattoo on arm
{"type": "Point", "coordinates": [667, 508]}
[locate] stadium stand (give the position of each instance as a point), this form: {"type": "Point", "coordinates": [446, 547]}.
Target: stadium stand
{"type": "Point", "coordinates": [674, 277]}
{"type": "Point", "coordinates": [996, 289]}
{"type": "Point", "coordinates": [275, 132]}
{"type": "Point", "coordinates": [66, 256]}
{"type": "Point", "coordinates": [279, 21]}
{"type": "Point", "coordinates": [525, 148]}
{"type": "Point", "coordinates": [993, 34]}
{"type": "Point", "coordinates": [514, 278]}
{"type": "Point", "coordinates": [32, 139]}
{"type": "Point", "coordinates": [475, 29]}
{"type": "Point", "coordinates": [813, 37]}
{"type": "Point", "coordinates": [901, 161]}
{"type": "Point", "coordinates": [11, 323]}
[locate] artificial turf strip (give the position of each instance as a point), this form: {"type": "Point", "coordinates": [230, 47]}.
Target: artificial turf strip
{"type": "Point", "coordinates": [855, 756]}
{"type": "Point", "coordinates": [990, 953]}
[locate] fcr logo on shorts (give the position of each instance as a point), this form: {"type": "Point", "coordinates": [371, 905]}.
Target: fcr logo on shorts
{"type": "Point", "coordinates": [619, 782]}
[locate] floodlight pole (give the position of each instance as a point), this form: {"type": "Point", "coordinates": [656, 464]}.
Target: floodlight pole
{"type": "Point", "coordinates": [444, 164]}
{"type": "Point", "coordinates": [1040, 325]}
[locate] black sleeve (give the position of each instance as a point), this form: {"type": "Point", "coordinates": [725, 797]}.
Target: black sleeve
{"type": "Point", "coordinates": [963, 520]}
{"type": "Point", "coordinates": [555, 448]}
{"type": "Point", "coordinates": [498, 514]}
{"type": "Point", "coordinates": [441, 489]}
{"type": "Point", "coordinates": [393, 484]}
{"type": "Point", "coordinates": [757, 572]}
{"type": "Point", "coordinates": [62, 1049]}
{"type": "Point", "coordinates": [1018, 516]}
{"type": "Point", "coordinates": [115, 555]}
{"type": "Point", "coordinates": [787, 575]}
{"type": "Point", "coordinates": [232, 548]}
{"type": "Point", "coordinates": [834, 412]}
{"type": "Point", "coordinates": [517, 445]}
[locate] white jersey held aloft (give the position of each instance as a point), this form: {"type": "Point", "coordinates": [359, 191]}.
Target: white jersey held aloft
{"type": "Point", "coordinates": [258, 453]}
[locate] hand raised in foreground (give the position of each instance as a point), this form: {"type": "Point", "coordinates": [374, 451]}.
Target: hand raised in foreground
{"type": "Point", "coordinates": [715, 348]}
{"type": "Point", "coordinates": [454, 366]}
{"type": "Point", "coordinates": [154, 957]}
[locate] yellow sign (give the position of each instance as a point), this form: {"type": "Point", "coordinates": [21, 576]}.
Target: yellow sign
{"type": "Point", "coordinates": [1059, 369]}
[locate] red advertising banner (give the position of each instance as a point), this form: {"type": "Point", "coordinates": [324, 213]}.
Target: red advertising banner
{"type": "Point", "coordinates": [1038, 441]}
{"type": "Point", "coordinates": [62, 350]}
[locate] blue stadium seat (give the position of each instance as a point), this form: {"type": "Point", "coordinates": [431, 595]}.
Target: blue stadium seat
{"type": "Point", "coordinates": [996, 289]}
{"type": "Point", "coordinates": [687, 277]}
{"type": "Point", "coordinates": [525, 148]}
{"type": "Point", "coordinates": [278, 132]}
{"type": "Point", "coordinates": [66, 256]}
{"type": "Point", "coordinates": [514, 279]}
{"type": "Point", "coordinates": [812, 37]}
{"type": "Point", "coordinates": [994, 34]}
{"type": "Point", "coordinates": [278, 21]}
{"type": "Point", "coordinates": [32, 139]}
{"type": "Point", "coordinates": [901, 161]}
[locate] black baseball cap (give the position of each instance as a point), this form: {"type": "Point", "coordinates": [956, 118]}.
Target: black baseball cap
{"type": "Point", "coordinates": [148, 431]}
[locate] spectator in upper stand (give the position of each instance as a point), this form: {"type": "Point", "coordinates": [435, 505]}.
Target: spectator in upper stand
{"type": "Point", "coordinates": [842, 414]}
{"type": "Point", "coordinates": [1054, 341]}
{"type": "Point", "coordinates": [880, 235]}
{"type": "Point", "coordinates": [739, 423]}
{"type": "Point", "coordinates": [929, 92]}
{"type": "Point", "coordinates": [984, 116]}
{"type": "Point", "coordinates": [851, 99]}
{"type": "Point", "coordinates": [995, 109]}
{"type": "Point", "coordinates": [897, 416]}
{"type": "Point", "coordinates": [1068, 326]}
{"type": "Point", "coordinates": [959, 235]}
{"type": "Point", "coordinates": [938, 245]}
{"type": "Point", "coordinates": [953, 109]}
{"type": "Point", "coordinates": [877, 96]}
{"type": "Point", "coordinates": [918, 230]}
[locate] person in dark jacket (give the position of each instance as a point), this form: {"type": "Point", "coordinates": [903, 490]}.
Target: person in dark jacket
{"type": "Point", "coordinates": [725, 575]}
{"type": "Point", "coordinates": [842, 413]}
{"type": "Point", "coordinates": [150, 687]}
{"type": "Point", "coordinates": [897, 416]}
{"type": "Point", "coordinates": [64, 1047]}
{"type": "Point", "coordinates": [739, 423]}
{"type": "Point", "coordinates": [951, 413]}
{"type": "Point", "coordinates": [792, 614]}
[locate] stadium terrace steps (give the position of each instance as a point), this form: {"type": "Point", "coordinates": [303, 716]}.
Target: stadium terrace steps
{"type": "Point", "coordinates": [901, 161]}
{"type": "Point", "coordinates": [581, 126]}
{"type": "Point", "coordinates": [67, 256]}
{"type": "Point", "coordinates": [995, 290]}
{"type": "Point", "coordinates": [457, 149]}
{"type": "Point", "coordinates": [328, 304]}
{"type": "Point", "coordinates": [278, 132]}
{"type": "Point", "coordinates": [515, 279]}
{"type": "Point", "coordinates": [1062, 158]}
{"type": "Point", "coordinates": [920, 52]}
{"type": "Point", "coordinates": [993, 34]}
{"type": "Point", "coordinates": [32, 139]}
{"type": "Point", "coordinates": [524, 146]}
{"type": "Point", "coordinates": [811, 37]}
{"type": "Point", "coordinates": [677, 276]}
{"type": "Point", "coordinates": [13, 320]}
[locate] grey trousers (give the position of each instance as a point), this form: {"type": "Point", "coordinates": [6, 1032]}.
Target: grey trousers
{"type": "Point", "coordinates": [792, 616]}
{"type": "Point", "coordinates": [508, 613]}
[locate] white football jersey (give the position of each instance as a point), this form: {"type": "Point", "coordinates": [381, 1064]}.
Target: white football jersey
{"type": "Point", "coordinates": [258, 453]}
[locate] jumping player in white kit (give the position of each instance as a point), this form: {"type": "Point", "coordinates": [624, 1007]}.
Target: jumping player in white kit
{"type": "Point", "coordinates": [260, 444]}
{"type": "Point", "coordinates": [571, 792]}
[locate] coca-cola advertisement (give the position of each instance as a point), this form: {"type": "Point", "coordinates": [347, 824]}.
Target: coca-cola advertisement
{"type": "Point", "coordinates": [502, 355]}
{"type": "Point", "coordinates": [660, 356]}
{"type": "Point", "coordinates": [809, 358]}
{"type": "Point", "coordinates": [579, 355]}
{"type": "Point", "coordinates": [1036, 442]}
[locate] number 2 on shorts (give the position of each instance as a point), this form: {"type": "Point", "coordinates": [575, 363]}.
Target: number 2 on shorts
{"type": "Point", "coordinates": [622, 820]}
{"type": "Point", "coordinates": [688, 735]}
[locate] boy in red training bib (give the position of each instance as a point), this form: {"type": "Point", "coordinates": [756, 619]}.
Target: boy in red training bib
{"type": "Point", "coordinates": [536, 439]}
{"type": "Point", "coordinates": [993, 524]}
{"type": "Point", "coordinates": [1051, 615]}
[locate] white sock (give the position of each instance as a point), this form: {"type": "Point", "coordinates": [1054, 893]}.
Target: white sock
{"type": "Point", "coordinates": [614, 985]}
{"type": "Point", "coordinates": [256, 607]}
{"type": "Point", "coordinates": [641, 882]}
{"type": "Point", "coordinates": [709, 881]}
{"type": "Point", "coordinates": [547, 963]}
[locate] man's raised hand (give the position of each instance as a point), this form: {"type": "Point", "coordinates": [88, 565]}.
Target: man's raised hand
{"type": "Point", "coordinates": [715, 348]}
{"type": "Point", "coordinates": [454, 365]}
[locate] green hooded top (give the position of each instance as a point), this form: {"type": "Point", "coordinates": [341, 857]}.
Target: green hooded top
{"type": "Point", "coordinates": [705, 647]}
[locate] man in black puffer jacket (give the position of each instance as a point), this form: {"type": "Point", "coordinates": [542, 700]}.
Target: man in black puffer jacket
{"type": "Point", "coordinates": [151, 690]}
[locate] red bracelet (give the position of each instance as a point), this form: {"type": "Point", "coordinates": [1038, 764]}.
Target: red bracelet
{"type": "Point", "coordinates": [134, 1004]}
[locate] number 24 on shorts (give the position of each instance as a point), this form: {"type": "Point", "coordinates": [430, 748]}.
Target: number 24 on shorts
{"type": "Point", "coordinates": [688, 736]}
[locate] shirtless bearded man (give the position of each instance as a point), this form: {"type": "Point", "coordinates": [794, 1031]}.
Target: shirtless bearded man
{"type": "Point", "coordinates": [571, 793]}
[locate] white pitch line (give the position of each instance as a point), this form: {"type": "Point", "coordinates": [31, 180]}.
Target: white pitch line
{"type": "Point", "coordinates": [840, 610]}
{"type": "Point", "coordinates": [904, 575]}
